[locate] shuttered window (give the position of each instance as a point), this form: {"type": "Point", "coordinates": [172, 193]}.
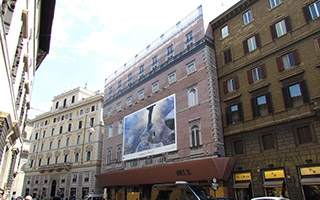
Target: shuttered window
{"type": "Point", "coordinates": [288, 60]}
{"type": "Point", "coordinates": [295, 95]}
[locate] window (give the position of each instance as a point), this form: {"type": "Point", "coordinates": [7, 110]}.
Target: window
{"type": "Point", "coordinates": [74, 178]}
{"type": "Point", "coordinates": [42, 145]}
{"type": "Point", "coordinates": [129, 101]}
{"type": "Point", "coordinates": [88, 155]}
{"type": "Point", "coordinates": [172, 77]}
{"type": "Point", "coordinates": [36, 136]}
{"type": "Point", "coordinates": [268, 141]}
{"type": "Point", "coordinates": [192, 96]}
{"type": "Point", "coordinates": [91, 121]}
{"type": "Point", "coordinates": [64, 103]}
{"type": "Point", "coordinates": [110, 131]}
{"type": "Point", "coordinates": [80, 125]}
{"type": "Point", "coordinates": [155, 86]}
{"type": "Point", "coordinates": [50, 145]}
{"type": "Point", "coordinates": [189, 37]}
{"type": "Point", "coordinates": [257, 74]}
{"type": "Point", "coordinates": [92, 108]}
{"type": "Point", "coordinates": [46, 122]}
{"type": "Point", "coordinates": [118, 106]}
{"type": "Point", "coordinates": [141, 94]}
{"type": "Point", "coordinates": [78, 139]}
{"type": "Point", "coordinates": [43, 134]}
{"type": "Point", "coordinates": [312, 11]}
{"type": "Point", "coordinates": [58, 145]}
{"type": "Point", "coordinates": [238, 147]}
{"type": "Point", "coordinates": [90, 137]}
{"type": "Point", "coordinates": [195, 136]}
{"type": "Point", "coordinates": [141, 71]}
{"type": "Point", "coordinates": [129, 81]}
{"type": "Point", "coordinates": [61, 129]}
{"type": "Point", "coordinates": [110, 92]}
{"type": "Point", "coordinates": [251, 44]}
{"type": "Point", "coordinates": [227, 56]}
{"type": "Point", "coordinates": [86, 177]}
{"type": "Point", "coordinates": [31, 163]}
{"type": "Point", "coordinates": [295, 95]}
{"type": "Point", "coordinates": [119, 154]}
{"type": "Point", "coordinates": [109, 112]}
{"type": "Point", "coordinates": [191, 67]}
{"type": "Point", "coordinates": [274, 3]}
{"type": "Point", "coordinates": [48, 161]}
{"type": "Point", "coordinates": [109, 157]}
{"type": "Point", "coordinates": [65, 158]}
{"type": "Point", "coordinates": [67, 142]}
{"type": "Point", "coordinates": [154, 62]}
{"type": "Point", "coordinates": [39, 162]}
{"type": "Point", "coordinates": [69, 127]}
{"type": "Point", "coordinates": [119, 86]}
{"type": "Point", "coordinates": [120, 127]}
{"type": "Point", "coordinates": [81, 112]}
{"type": "Point", "coordinates": [247, 17]}
{"type": "Point", "coordinates": [234, 113]}
{"type": "Point", "coordinates": [288, 60]}
{"type": "Point", "coordinates": [56, 160]}
{"type": "Point", "coordinates": [281, 28]}
{"type": "Point", "coordinates": [54, 120]}
{"type": "Point", "coordinates": [169, 52]}
{"type": "Point", "coordinates": [231, 85]}
{"type": "Point", "coordinates": [261, 105]}
{"type": "Point", "coordinates": [304, 135]}
{"type": "Point", "coordinates": [62, 117]}
{"type": "Point", "coordinates": [34, 148]}
{"type": "Point", "coordinates": [57, 104]}
{"type": "Point", "coordinates": [76, 157]}
{"type": "Point", "coordinates": [224, 31]}
{"type": "Point", "coordinates": [52, 132]}
{"type": "Point", "coordinates": [73, 99]}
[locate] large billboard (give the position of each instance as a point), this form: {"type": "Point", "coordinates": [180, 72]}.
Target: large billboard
{"type": "Point", "coordinates": [151, 130]}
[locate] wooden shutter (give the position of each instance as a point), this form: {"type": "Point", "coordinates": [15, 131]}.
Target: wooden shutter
{"type": "Point", "coordinates": [263, 70]}
{"type": "Point", "coordinates": [225, 87]}
{"type": "Point", "coordinates": [306, 13]}
{"type": "Point", "coordinates": [296, 57]}
{"type": "Point", "coordinates": [250, 79]}
{"type": "Point", "coordinates": [257, 38]}
{"type": "Point", "coordinates": [227, 56]}
{"type": "Point", "coordinates": [287, 20]}
{"type": "Point", "coordinates": [228, 117]}
{"type": "Point", "coordinates": [286, 97]}
{"type": "Point", "coordinates": [280, 64]}
{"type": "Point", "coordinates": [240, 111]}
{"type": "Point", "coordinates": [254, 107]}
{"type": "Point", "coordinates": [273, 31]}
{"type": "Point", "coordinates": [269, 103]}
{"type": "Point", "coordinates": [245, 46]}
{"type": "Point", "coordinates": [236, 82]}
{"type": "Point", "coordinates": [304, 91]}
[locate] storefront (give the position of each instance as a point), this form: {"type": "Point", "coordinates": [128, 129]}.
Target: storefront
{"type": "Point", "coordinates": [274, 183]}
{"type": "Point", "coordinates": [137, 183]}
{"type": "Point", "coordinates": [310, 182]}
{"type": "Point", "coordinates": [242, 186]}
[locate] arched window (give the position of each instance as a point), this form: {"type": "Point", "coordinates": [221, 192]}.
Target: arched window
{"type": "Point", "coordinates": [120, 127]}
{"type": "Point", "coordinates": [73, 99]}
{"type": "Point", "coordinates": [57, 104]}
{"type": "Point", "coordinates": [192, 97]}
{"type": "Point", "coordinates": [109, 157]}
{"type": "Point", "coordinates": [88, 155]}
{"type": "Point", "coordinates": [119, 154]}
{"type": "Point", "coordinates": [64, 103]}
{"type": "Point", "coordinates": [195, 136]}
{"type": "Point", "coordinates": [90, 137]}
{"type": "Point", "coordinates": [78, 139]}
{"type": "Point", "coordinates": [76, 157]}
{"type": "Point", "coordinates": [50, 145]}
{"type": "Point", "coordinates": [65, 158]}
{"type": "Point", "coordinates": [67, 142]}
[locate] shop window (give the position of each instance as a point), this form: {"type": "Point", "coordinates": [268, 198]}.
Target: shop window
{"type": "Point", "coordinates": [295, 95]}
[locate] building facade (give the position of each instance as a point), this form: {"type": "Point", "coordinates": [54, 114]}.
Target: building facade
{"type": "Point", "coordinates": [267, 54]}
{"type": "Point", "coordinates": [65, 147]}
{"type": "Point", "coordinates": [25, 28]}
{"type": "Point", "coordinates": [162, 116]}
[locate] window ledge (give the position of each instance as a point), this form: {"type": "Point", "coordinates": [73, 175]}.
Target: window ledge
{"type": "Point", "coordinates": [258, 86]}
{"type": "Point", "coordinates": [294, 72]}
{"type": "Point", "coordinates": [232, 97]}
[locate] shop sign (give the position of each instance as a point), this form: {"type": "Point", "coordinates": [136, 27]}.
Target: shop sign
{"type": "Point", "coordinates": [310, 171]}
{"type": "Point", "coordinates": [242, 177]}
{"type": "Point", "coordinates": [274, 174]}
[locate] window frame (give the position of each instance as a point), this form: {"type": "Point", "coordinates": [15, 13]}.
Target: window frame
{"type": "Point", "coordinates": [288, 103]}
{"type": "Point", "coordinates": [172, 77]}
{"type": "Point", "coordinates": [266, 140]}
{"type": "Point", "coordinates": [311, 136]}
{"type": "Point", "coordinates": [259, 71]}
{"type": "Point", "coordinates": [110, 131]}
{"type": "Point", "coordinates": [255, 105]}
{"type": "Point", "coordinates": [224, 31]}
{"type": "Point", "coordinates": [227, 56]}
{"type": "Point", "coordinates": [295, 59]}
{"type": "Point", "coordinates": [192, 96]}
{"type": "Point", "coordinates": [274, 3]}
{"type": "Point", "coordinates": [191, 67]}
{"type": "Point", "coordinates": [195, 137]}
{"type": "Point", "coordinates": [247, 17]}
{"type": "Point", "coordinates": [252, 43]}
{"type": "Point", "coordinates": [286, 24]}
{"type": "Point", "coordinates": [155, 86]}
{"type": "Point", "coordinates": [234, 82]}
{"type": "Point", "coordinates": [228, 113]}
{"type": "Point", "coordinates": [236, 147]}
{"type": "Point", "coordinates": [141, 94]}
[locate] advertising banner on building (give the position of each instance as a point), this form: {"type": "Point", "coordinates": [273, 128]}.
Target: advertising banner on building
{"type": "Point", "coordinates": [151, 130]}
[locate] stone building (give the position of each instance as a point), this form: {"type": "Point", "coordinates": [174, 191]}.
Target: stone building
{"type": "Point", "coordinates": [25, 29]}
{"type": "Point", "coordinates": [162, 116]}
{"type": "Point", "coordinates": [268, 60]}
{"type": "Point", "coordinates": [66, 146]}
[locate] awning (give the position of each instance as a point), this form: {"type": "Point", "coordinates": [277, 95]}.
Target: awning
{"type": "Point", "coordinates": [310, 181]}
{"type": "Point", "coordinates": [241, 185]}
{"type": "Point", "coordinates": [273, 184]}
{"type": "Point", "coordinates": [194, 170]}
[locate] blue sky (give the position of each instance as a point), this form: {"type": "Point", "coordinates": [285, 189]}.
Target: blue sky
{"type": "Point", "coordinates": [91, 39]}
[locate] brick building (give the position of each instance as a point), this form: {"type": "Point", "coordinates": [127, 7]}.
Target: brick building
{"type": "Point", "coordinates": [162, 116]}
{"type": "Point", "coordinates": [65, 147]}
{"type": "Point", "coordinates": [268, 60]}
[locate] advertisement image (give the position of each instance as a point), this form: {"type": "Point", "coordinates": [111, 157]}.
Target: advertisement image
{"type": "Point", "coordinates": [151, 130]}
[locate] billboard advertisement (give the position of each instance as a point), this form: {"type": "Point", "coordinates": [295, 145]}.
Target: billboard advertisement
{"type": "Point", "coordinates": [151, 130]}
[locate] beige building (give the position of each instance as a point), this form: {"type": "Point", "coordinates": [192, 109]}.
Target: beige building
{"type": "Point", "coordinates": [25, 29]}
{"type": "Point", "coordinates": [65, 147]}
